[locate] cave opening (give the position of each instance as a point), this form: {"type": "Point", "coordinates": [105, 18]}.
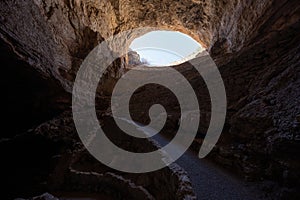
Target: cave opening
{"type": "Point", "coordinates": [163, 48]}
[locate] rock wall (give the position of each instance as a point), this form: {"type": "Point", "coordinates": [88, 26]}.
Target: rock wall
{"type": "Point", "coordinates": [51, 158]}
{"type": "Point", "coordinates": [55, 36]}
{"type": "Point", "coordinates": [254, 43]}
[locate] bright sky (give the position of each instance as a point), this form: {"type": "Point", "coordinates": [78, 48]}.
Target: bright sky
{"type": "Point", "coordinates": [161, 48]}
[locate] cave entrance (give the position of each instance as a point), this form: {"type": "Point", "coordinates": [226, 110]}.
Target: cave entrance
{"type": "Point", "coordinates": [163, 48]}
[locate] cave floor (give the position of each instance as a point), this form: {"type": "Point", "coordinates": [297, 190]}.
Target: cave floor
{"type": "Point", "coordinates": [210, 181]}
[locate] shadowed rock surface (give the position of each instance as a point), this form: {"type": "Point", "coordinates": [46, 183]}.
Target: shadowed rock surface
{"type": "Point", "coordinates": [254, 43]}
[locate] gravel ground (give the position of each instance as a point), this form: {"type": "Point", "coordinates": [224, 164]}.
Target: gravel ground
{"type": "Point", "coordinates": [210, 182]}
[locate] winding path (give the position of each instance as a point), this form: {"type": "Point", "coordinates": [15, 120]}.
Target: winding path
{"type": "Point", "coordinates": [209, 181]}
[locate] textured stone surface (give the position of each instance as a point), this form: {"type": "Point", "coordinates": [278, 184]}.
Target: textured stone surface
{"type": "Point", "coordinates": [53, 159]}
{"type": "Point", "coordinates": [254, 43]}
{"type": "Point", "coordinates": [54, 36]}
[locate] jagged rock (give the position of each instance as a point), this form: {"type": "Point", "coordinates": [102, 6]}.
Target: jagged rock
{"type": "Point", "coordinates": [255, 45]}
{"type": "Point", "coordinates": [134, 58]}
{"type": "Point", "coordinates": [64, 165]}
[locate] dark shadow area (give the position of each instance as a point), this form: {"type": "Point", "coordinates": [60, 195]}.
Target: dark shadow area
{"type": "Point", "coordinates": [27, 98]}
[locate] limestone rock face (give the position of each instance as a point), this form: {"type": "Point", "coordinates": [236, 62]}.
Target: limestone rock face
{"type": "Point", "coordinates": [254, 43]}
{"type": "Point", "coordinates": [51, 158]}
{"type": "Point", "coordinates": [134, 58]}
{"type": "Point", "coordinates": [54, 36]}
